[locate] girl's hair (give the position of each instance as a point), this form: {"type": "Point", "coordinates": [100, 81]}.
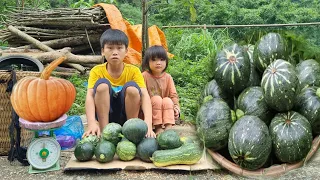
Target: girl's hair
{"type": "Point", "coordinates": [152, 53]}
{"type": "Point", "coordinates": [114, 37]}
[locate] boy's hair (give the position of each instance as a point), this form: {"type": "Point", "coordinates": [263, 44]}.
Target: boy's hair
{"type": "Point", "coordinates": [152, 53]}
{"type": "Point", "coordinates": [112, 37]}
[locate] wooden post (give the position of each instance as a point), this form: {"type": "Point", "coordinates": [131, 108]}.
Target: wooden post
{"type": "Point", "coordinates": [145, 41]}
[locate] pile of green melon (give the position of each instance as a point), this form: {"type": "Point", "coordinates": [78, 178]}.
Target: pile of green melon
{"type": "Point", "coordinates": [261, 107]}
{"type": "Point", "coordinates": [128, 141]}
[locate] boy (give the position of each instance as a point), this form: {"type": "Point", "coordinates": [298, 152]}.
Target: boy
{"type": "Point", "coordinates": [115, 89]}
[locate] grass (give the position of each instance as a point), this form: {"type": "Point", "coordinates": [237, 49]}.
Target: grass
{"type": "Point", "coordinates": [79, 81]}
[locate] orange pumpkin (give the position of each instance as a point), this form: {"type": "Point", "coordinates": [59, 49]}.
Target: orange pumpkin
{"type": "Point", "coordinates": [43, 99]}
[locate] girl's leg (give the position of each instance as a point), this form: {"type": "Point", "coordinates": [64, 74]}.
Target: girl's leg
{"type": "Point", "coordinates": [168, 113]}
{"type": "Point", "coordinates": [156, 102]}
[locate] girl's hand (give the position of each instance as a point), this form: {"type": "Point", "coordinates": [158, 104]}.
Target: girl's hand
{"type": "Point", "coordinates": [176, 113]}
{"type": "Point", "coordinates": [150, 134]}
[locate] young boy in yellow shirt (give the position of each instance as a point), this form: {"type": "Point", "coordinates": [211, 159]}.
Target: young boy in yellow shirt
{"type": "Point", "coordinates": [116, 90]}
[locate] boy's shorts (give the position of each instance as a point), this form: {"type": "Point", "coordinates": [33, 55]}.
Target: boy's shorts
{"type": "Point", "coordinates": [117, 111]}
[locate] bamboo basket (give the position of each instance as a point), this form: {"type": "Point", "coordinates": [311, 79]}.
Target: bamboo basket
{"type": "Point", "coordinates": [6, 111]}
{"type": "Point", "coordinates": [270, 172]}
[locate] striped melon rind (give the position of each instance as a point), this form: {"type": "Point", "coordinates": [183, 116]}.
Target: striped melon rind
{"type": "Point", "coordinates": [249, 142]}
{"type": "Point", "coordinates": [269, 48]}
{"type": "Point", "coordinates": [291, 136]}
{"type": "Point", "coordinates": [308, 105]}
{"type": "Point", "coordinates": [280, 85]}
{"type": "Point", "coordinates": [232, 69]}
{"type": "Point", "coordinates": [251, 102]}
{"type": "Point", "coordinates": [255, 76]}
{"type": "Point", "coordinates": [308, 73]}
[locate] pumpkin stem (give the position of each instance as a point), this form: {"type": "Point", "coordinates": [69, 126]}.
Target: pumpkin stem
{"type": "Point", "coordinates": [288, 121]}
{"type": "Point", "coordinates": [47, 71]}
{"type": "Point", "coordinates": [239, 113]}
{"type": "Point", "coordinates": [318, 92]}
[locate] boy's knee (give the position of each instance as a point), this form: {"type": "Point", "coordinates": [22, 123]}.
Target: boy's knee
{"type": "Point", "coordinates": [102, 88]}
{"type": "Point", "coordinates": [132, 91]}
{"type": "Point", "coordinates": [167, 103]}
{"type": "Point", "coordinates": [102, 85]}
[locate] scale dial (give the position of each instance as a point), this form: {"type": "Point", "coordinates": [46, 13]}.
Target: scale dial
{"type": "Point", "coordinates": [43, 152]}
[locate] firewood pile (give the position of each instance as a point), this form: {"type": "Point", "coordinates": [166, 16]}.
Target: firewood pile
{"type": "Point", "coordinates": [56, 32]}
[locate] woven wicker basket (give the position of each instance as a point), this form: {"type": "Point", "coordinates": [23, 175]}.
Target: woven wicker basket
{"type": "Point", "coordinates": [273, 171]}
{"type": "Point", "coordinates": [6, 111]}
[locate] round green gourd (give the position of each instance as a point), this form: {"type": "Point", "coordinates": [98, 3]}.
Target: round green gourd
{"type": "Point", "coordinates": [213, 89]}
{"type": "Point", "coordinates": [280, 85]}
{"type": "Point", "coordinates": [104, 151]}
{"type": "Point", "coordinates": [308, 73]}
{"type": "Point", "coordinates": [255, 76]}
{"type": "Point", "coordinates": [84, 151]}
{"type": "Point", "coordinates": [249, 142]}
{"type": "Point", "coordinates": [269, 48]}
{"type": "Point", "coordinates": [251, 102]}
{"type": "Point", "coordinates": [232, 69]}
{"type": "Point", "coordinates": [112, 132]}
{"type": "Point", "coordinates": [308, 105]}
{"type": "Point", "coordinates": [146, 148]}
{"type": "Point", "coordinates": [91, 138]}
{"type": "Point", "coordinates": [169, 139]}
{"type": "Point", "coordinates": [126, 150]}
{"type": "Point", "coordinates": [291, 136]}
{"type": "Point", "coordinates": [134, 130]}
{"type": "Point", "coordinates": [213, 123]}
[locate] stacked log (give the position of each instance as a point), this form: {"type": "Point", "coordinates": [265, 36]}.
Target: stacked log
{"type": "Point", "coordinates": [61, 24]}
{"type": "Point", "coordinates": [56, 29]}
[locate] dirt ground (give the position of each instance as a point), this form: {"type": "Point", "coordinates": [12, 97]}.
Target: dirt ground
{"type": "Point", "coordinates": [15, 171]}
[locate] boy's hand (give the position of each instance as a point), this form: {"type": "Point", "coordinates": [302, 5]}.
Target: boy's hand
{"type": "Point", "coordinates": [93, 129]}
{"type": "Point", "coordinates": [150, 134]}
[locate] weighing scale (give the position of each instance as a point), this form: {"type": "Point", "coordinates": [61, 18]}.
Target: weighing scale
{"type": "Point", "coordinates": [43, 153]}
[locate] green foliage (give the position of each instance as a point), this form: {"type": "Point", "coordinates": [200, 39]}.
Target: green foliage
{"type": "Point", "coordinates": [197, 46]}
{"type": "Point", "coordinates": [300, 48]}
{"type": "Point", "coordinates": [131, 13]}
{"type": "Point", "coordinates": [192, 66]}
{"type": "Point", "coordinates": [78, 107]}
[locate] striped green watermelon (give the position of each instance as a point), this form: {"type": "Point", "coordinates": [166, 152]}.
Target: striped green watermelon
{"type": "Point", "coordinates": [214, 121]}
{"type": "Point", "coordinates": [232, 69]}
{"type": "Point", "coordinates": [251, 102]}
{"type": "Point", "coordinates": [291, 136]}
{"type": "Point", "coordinates": [308, 104]}
{"type": "Point", "coordinates": [269, 48]}
{"type": "Point", "coordinates": [308, 72]}
{"type": "Point", "coordinates": [255, 76]}
{"type": "Point", "coordinates": [280, 85]}
{"type": "Point", "coordinates": [249, 142]}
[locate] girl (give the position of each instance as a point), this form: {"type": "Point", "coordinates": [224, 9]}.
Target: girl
{"type": "Point", "coordinates": [160, 86]}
